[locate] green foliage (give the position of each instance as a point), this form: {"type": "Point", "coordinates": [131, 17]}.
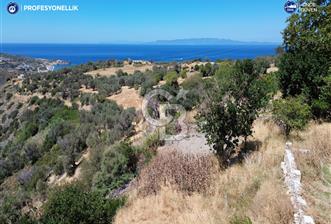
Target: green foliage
{"type": "Point", "coordinates": [171, 78]}
{"type": "Point", "coordinates": [38, 174]}
{"type": "Point", "coordinates": [262, 64]}
{"type": "Point", "coordinates": [321, 107]}
{"type": "Point", "coordinates": [118, 167]}
{"type": "Point", "coordinates": [272, 82]}
{"type": "Point", "coordinates": [32, 152]}
{"type": "Point", "coordinates": [192, 82]}
{"type": "Point", "coordinates": [183, 74]}
{"type": "Point", "coordinates": [232, 107]}
{"type": "Point", "coordinates": [57, 130]}
{"type": "Point", "coordinates": [306, 60]}
{"type": "Point", "coordinates": [241, 220]}
{"type": "Point", "coordinates": [153, 141]}
{"type": "Point", "coordinates": [49, 137]}
{"type": "Point", "coordinates": [73, 204]}
{"type": "Point", "coordinates": [8, 214]}
{"type": "Point", "coordinates": [28, 130]}
{"type": "Point", "coordinates": [208, 69]}
{"type": "Point", "coordinates": [291, 114]}
{"type": "Point", "coordinates": [34, 100]}
{"type": "Point", "coordinates": [10, 209]}
{"type": "Point", "coordinates": [195, 87]}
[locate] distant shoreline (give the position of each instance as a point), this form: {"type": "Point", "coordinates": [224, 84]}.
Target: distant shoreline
{"type": "Point", "coordinates": [76, 54]}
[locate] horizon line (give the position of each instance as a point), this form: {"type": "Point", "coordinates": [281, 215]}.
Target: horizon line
{"type": "Point", "coordinates": [158, 42]}
{"type": "Point", "coordinates": [147, 43]}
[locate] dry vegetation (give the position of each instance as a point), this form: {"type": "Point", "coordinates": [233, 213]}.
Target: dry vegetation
{"type": "Point", "coordinates": [128, 68]}
{"type": "Point", "coordinates": [128, 97]}
{"type": "Point", "coordinates": [315, 165]}
{"type": "Point", "coordinates": [186, 172]}
{"type": "Point", "coordinates": [253, 189]}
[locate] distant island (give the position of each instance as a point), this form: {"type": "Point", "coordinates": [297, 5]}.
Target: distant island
{"type": "Point", "coordinates": [208, 41]}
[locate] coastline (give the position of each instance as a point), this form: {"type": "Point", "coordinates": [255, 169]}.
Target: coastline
{"type": "Point", "coordinates": [77, 54]}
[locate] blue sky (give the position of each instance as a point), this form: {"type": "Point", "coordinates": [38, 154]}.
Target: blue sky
{"type": "Point", "coordinates": [107, 21]}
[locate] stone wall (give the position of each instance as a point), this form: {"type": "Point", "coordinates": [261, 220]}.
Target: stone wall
{"type": "Point", "coordinates": [293, 181]}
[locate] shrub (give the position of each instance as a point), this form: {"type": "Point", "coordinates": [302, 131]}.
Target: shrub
{"type": "Point", "coordinates": [262, 64]}
{"type": "Point", "coordinates": [58, 130]}
{"type": "Point", "coordinates": [34, 100]}
{"type": "Point", "coordinates": [291, 114]}
{"type": "Point", "coordinates": [118, 167]}
{"type": "Point", "coordinates": [153, 141]}
{"type": "Point", "coordinates": [13, 114]}
{"type": "Point", "coordinates": [73, 204]}
{"type": "Point", "coordinates": [19, 106]}
{"type": "Point", "coordinates": [9, 96]}
{"type": "Point", "coordinates": [59, 168]}
{"type": "Point", "coordinates": [241, 220]}
{"type": "Point", "coordinates": [189, 173]}
{"type": "Point", "coordinates": [171, 78]}
{"type": "Point", "coordinates": [39, 173]}
{"type": "Point", "coordinates": [208, 69]}
{"type": "Point", "coordinates": [10, 209]}
{"type": "Point", "coordinates": [183, 74]}
{"type": "Point", "coordinates": [32, 152]}
{"type": "Point", "coordinates": [28, 130]}
{"type": "Point", "coordinates": [24, 177]}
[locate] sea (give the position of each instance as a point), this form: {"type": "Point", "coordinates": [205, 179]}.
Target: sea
{"type": "Point", "coordinates": [76, 54]}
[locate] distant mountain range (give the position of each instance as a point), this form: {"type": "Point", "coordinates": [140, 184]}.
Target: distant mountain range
{"type": "Point", "coordinates": [208, 41]}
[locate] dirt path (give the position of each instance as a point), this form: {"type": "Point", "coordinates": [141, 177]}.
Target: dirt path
{"type": "Point", "coordinates": [194, 143]}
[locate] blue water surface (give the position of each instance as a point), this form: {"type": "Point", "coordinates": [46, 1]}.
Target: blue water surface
{"type": "Point", "coordinates": [83, 53]}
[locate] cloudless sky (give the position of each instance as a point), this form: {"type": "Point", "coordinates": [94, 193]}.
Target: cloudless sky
{"type": "Point", "coordinates": [108, 21]}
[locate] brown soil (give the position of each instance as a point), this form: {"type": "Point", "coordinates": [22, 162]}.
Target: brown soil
{"type": "Point", "coordinates": [130, 69]}
{"type": "Point", "coordinates": [129, 97]}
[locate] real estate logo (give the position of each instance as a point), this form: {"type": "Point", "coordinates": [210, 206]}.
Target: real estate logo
{"type": "Point", "coordinates": [160, 124]}
{"type": "Point", "coordinates": [308, 7]}
{"type": "Point", "coordinates": [12, 8]}
{"type": "Point", "coordinates": [290, 6]}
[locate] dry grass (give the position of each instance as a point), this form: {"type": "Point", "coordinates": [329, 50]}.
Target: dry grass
{"type": "Point", "coordinates": [315, 166]}
{"type": "Point", "coordinates": [128, 68]}
{"type": "Point", "coordinates": [186, 172]}
{"type": "Point", "coordinates": [128, 97]}
{"type": "Point", "coordinates": [254, 189]}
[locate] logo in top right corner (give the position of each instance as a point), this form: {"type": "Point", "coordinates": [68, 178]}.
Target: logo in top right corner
{"type": "Point", "coordinates": [291, 7]}
{"type": "Point", "coordinates": [308, 7]}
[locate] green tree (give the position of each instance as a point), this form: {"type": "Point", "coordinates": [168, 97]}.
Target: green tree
{"type": "Point", "coordinates": [322, 106]}
{"type": "Point", "coordinates": [73, 204]}
{"type": "Point", "coordinates": [232, 106]}
{"type": "Point", "coordinates": [307, 56]}
{"type": "Point", "coordinates": [291, 114]}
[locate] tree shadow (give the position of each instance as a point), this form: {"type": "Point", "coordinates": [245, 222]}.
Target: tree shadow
{"type": "Point", "coordinates": [244, 150]}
